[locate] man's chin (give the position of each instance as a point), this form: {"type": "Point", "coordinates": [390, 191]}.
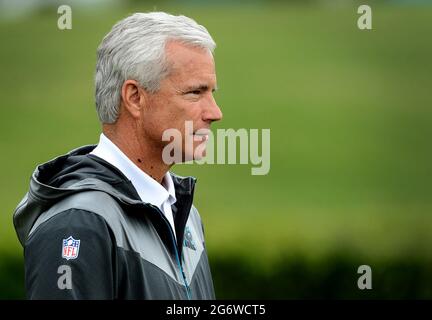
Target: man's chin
{"type": "Point", "coordinates": [176, 157]}
{"type": "Point", "coordinates": [197, 155]}
{"type": "Point", "coordinates": [200, 154]}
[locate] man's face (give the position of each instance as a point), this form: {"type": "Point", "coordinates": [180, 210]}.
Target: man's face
{"type": "Point", "coordinates": [186, 94]}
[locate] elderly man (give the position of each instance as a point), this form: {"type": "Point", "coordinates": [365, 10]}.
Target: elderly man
{"type": "Point", "coordinates": [110, 221]}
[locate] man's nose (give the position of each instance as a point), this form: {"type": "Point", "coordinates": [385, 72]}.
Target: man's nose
{"type": "Point", "coordinates": [212, 112]}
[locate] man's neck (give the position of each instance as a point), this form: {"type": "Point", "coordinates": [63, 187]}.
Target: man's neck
{"type": "Point", "coordinates": [141, 154]}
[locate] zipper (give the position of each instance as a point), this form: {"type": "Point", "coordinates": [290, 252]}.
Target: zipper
{"type": "Point", "coordinates": [188, 205]}
{"type": "Point", "coordinates": [188, 290]}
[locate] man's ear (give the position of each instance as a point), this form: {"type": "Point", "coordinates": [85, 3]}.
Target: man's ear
{"type": "Point", "coordinates": [133, 98]}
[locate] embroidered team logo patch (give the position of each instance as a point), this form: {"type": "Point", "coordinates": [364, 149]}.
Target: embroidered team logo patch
{"type": "Point", "coordinates": [70, 248]}
{"type": "Point", "coordinates": [188, 240]}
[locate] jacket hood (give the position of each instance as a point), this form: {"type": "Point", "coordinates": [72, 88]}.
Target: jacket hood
{"type": "Point", "coordinates": [78, 171]}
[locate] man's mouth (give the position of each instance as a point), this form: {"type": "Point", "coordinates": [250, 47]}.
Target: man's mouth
{"type": "Point", "coordinates": [201, 134]}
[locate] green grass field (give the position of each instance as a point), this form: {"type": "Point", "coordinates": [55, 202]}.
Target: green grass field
{"type": "Point", "coordinates": [349, 112]}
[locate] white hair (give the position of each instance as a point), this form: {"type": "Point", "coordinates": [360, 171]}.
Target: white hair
{"type": "Point", "coordinates": [135, 49]}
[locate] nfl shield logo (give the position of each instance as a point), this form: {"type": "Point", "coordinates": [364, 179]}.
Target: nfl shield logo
{"type": "Point", "coordinates": [70, 248]}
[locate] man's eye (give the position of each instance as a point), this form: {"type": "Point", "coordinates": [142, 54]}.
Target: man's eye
{"type": "Point", "coordinates": [195, 92]}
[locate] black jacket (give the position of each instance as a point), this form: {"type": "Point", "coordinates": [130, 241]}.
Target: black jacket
{"type": "Point", "coordinates": [87, 235]}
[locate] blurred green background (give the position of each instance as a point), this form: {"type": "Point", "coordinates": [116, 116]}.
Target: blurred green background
{"type": "Point", "coordinates": [350, 118]}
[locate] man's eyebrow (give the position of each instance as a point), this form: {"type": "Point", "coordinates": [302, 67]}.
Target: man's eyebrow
{"type": "Point", "coordinates": [200, 87]}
